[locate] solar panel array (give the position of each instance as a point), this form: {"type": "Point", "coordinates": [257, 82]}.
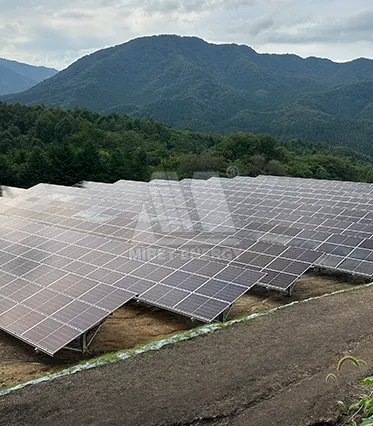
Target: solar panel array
{"type": "Point", "coordinates": [69, 256]}
{"type": "Point", "coordinates": [190, 218]}
{"type": "Point", "coordinates": [332, 218]}
{"type": "Point", "coordinates": [76, 278]}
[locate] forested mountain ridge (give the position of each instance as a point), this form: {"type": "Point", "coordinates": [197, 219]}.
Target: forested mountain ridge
{"type": "Point", "coordinates": [189, 83]}
{"type": "Point", "coordinates": [17, 77]}
{"type": "Point", "coordinates": [38, 144]}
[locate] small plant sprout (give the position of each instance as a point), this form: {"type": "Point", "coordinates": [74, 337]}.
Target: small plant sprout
{"type": "Point", "coordinates": [347, 359]}
{"type": "Point", "coordinates": [363, 409]}
{"type": "Point", "coordinates": [352, 360]}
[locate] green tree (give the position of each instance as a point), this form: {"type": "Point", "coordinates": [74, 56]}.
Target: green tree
{"type": "Point", "coordinates": [320, 173]}
{"type": "Point", "coordinates": [89, 162]}
{"type": "Point", "coordinates": [276, 168]}
{"type": "Point", "coordinates": [190, 165]}
{"type": "Point", "coordinates": [37, 168]}
{"type": "Point", "coordinates": [45, 125]}
{"type": "Point", "coordinates": [64, 165]}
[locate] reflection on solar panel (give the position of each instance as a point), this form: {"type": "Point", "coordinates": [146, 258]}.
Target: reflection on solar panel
{"type": "Point", "coordinates": [73, 280]}
{"type": "Point", "coordinates": [74, 286]}
{"type": "Point", "coordinates": [70, 256]}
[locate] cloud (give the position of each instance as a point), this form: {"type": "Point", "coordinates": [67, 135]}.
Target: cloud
{"type": "Point", "coordinates": [55, 32]}
{"type": "Point", "coordinates": [74, 15]}
{"type": "Point", "coordinates": [350, 29]}
{"type": "Point", "coordinates": [190, 6]}
{"type": "Point", "coordinates": [253, 27]}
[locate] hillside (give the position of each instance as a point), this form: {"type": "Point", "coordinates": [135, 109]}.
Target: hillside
{"type": "Point", "coordinates": [17, 77]}
{"type": "Point", "coordinates": [38, 144]}
{"type": "Point", "coordinates": [266, 372]}
{"type": "Point", "coordinates": [189, 83]}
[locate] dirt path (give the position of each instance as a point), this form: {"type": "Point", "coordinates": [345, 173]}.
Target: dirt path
{"type": "Point", "coordinates": [135, 325]}
{"type": "Point", "coordinates": [270, 371]}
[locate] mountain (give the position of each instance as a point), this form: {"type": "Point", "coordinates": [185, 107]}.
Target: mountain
{"type": "Point", "coordinates": [17, 77]}
{"type": "Point", "coordinates": [189, 83]}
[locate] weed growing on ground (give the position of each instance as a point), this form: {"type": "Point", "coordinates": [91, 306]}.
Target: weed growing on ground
{"type": "Point", "coordinates": [362, 411]}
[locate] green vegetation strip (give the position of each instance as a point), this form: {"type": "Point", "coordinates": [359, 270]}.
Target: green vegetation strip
{"type": "Point", "coordinates": [61, 147]}
{"type": "Point", "coordinates": [111, 358]}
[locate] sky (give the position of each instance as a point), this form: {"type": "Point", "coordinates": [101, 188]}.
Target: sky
{"type": "Point", "coordinates": [55, 33]}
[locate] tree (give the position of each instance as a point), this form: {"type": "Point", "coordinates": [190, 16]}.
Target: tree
{"type": "Point", "coordinates": [190, 165]}
{"type": "Point", "coordinates": [38, 144]}
{"type": "Point", "coordinates": [36, 168]}
{"type": "Point", "coordinates": [64, 128]}
{"type": "Point", "coordinates": [64, 165]}
{"type": "Point", "coordinates": [89, 162]}
{"type": "Point", "coordinates": [7, 178]}
{"type": "Point", "coordinates": [276, 168]}
{"type": "Point", "coordinates": [320, 173]}
{"type": "Point", "coordinates": [45, 125]}
{"type": "Point", "coordinates": [7, 141]}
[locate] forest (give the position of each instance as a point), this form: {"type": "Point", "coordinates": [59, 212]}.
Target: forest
{"type": "Point", "coordinates": [189, 83]}
{"type": "Point", "coordinates": [38, 144]}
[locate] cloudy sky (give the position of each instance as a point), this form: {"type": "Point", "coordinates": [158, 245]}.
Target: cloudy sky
{"type": "Point", "coordinates": [57, 32]}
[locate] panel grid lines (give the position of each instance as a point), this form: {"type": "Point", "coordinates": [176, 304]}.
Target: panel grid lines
{"type": "Point", "coordinates": [242, 231]}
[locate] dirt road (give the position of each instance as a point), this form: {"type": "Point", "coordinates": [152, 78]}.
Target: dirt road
{"type": "Point", "coordinates": [270, 371]}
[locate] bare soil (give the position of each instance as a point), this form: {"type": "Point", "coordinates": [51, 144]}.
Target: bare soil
{"type": "Point", "coordinates": [134, 325]}
{"type": "Point", "coordinates": [267, 372]}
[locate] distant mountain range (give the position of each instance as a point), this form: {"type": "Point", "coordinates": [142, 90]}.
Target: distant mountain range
{"type": "Point", "coordinates": [187, 82]}
{"type": "Point", "coordinates": [17, 77]}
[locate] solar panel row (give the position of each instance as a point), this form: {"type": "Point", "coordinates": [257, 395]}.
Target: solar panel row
{"type": "Point", "coordinates": [219, 237]}
{"type": "Point", "coordinates": [144, 236]}
{"type": "Point", "coordinates": [289, 275]}
{"type": "Point", "coordinates": [72, 268]}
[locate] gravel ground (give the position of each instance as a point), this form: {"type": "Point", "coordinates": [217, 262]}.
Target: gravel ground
{"type": "Point", "coordinates": [270, 371]}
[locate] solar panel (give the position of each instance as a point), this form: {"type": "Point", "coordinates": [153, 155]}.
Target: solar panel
{"type": "Point", "coordinates": [241, 231]}
{"type": "Point", "coordinates": [46, 318]}
{"type": "Point", "coordinates": [87, 282]}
